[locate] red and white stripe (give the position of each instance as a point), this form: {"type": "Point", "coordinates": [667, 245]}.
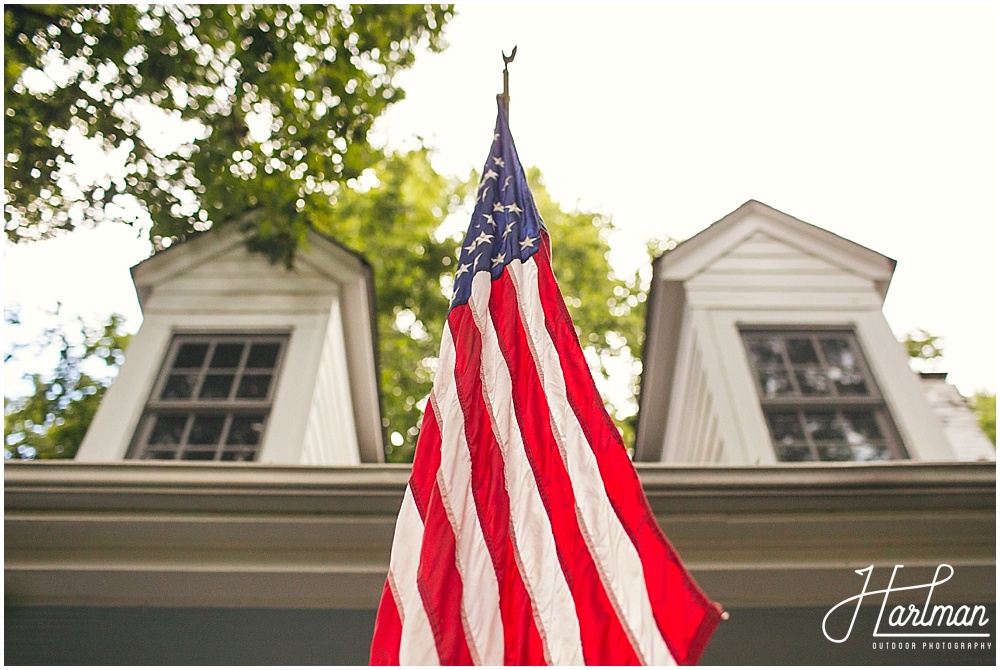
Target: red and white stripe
{"type": "Point", "coordinates": [524, 536]}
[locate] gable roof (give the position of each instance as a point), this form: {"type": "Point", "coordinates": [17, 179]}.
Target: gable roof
{"type": "Point", "coordinates": [696, 253]}
{"type": "Point", "coordinates": [323, 255]}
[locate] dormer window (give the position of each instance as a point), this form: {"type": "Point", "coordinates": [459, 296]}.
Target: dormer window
{"type": "Point", "coordinates": [819, 398]}
{"type": "Point", "coordinates": [212, 398]}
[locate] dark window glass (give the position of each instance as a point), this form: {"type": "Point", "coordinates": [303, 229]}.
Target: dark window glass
{"type": "Point", "coordinates": [191, 355]}
{"type": "Point", "coordinates": [819, 400]}
{"type": "Point", "coordinates": [206, 429]}
{"type": "Point", "coordinates": [245, 430]}
{"type": "Point", "coordinates": [766, 351]}
{"type": "Point", "coordinates": [794, 454]}
{"type": "Point", "coordinates": [233, 377]}
{"type": "Point", "coordinates": [227, 355]}
{"type": "Point", "coordinates": [786, 428]}
{"type": "Point", "coordinates": [179, 387]}
{"type": "Point", "coordinates": [198, 456]}
{"type": "Point", "coordinates": [168, 429]}
{"type": "Point", "coordinates": [812, 381]}
{"type": "Point", "coordinates": [263, 355]}
{"type": "Point", "coordinates": [254, 386]}
{"type": "Point", "coordinates": [775, 383]}
{"type": "Point", "coordinates": [216, 386]}
{"type": "Point", "coordinates": [801, 351]}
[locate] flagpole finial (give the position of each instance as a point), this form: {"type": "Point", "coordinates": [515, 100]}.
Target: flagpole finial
{"type": "Point", "coordinates": [504, 97]}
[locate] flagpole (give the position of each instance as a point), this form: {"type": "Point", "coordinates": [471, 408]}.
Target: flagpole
{"type": "Point", "coordinates": [504, 98]}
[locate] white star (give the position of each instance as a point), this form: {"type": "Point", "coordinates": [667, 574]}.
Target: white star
{"type": "Point", "coordinates": [498, 161]}
{"type": "Point", "coordinates": [472, 245]}
{"type": "Point", "coordinates": [505, 182]}
{"type": "Point", "coordinates": [483, 198]}
{"type": "Point", "coordinates": [462, 270]}
{"type": "Point", "coordinates": [498, 260]}
{"type": "Point", "coordinates": [497, 207]}
{"type": "Point", "coordinates": [489, 219]}
{"type": "Point", "coordinates": [527, 242]}
{"type": "Point", "coordinates": [496, 136]}
{"type": "Point", "coordinates": [490, 174]}
{"type": "Point", "coordinates": [512, 207]}
{"type": "Point", "coordinates": [483, 238]}
{"type": "Point", "coordinates": [506, 231]}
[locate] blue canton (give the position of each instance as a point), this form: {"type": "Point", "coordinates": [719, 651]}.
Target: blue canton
{"type": "Point", "coordinates": [505, 224]}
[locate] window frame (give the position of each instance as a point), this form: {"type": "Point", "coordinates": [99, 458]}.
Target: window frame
{"type": "Point", "coordinates": [836, 402]}
{"type": "Point", "coordinates": [194, 407]}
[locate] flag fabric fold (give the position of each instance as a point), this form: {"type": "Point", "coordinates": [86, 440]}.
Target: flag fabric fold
{"type": "Point", "coordinates": [524, 537]}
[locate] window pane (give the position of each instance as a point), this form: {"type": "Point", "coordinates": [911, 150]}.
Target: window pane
{"type": "Point", "coordinates": [246, 430]}
{"type": "Point", "coordinates": [213, 398]}
{"type": "Point", "coordinates": [238, 455]}
{"type": "Point", "coordinates": [254, 386]}
{"type": "Point", "coordinates": [785, 427]}
{"type": "Point", "coordinates": [765, 351]}
{"type": "Point", "coordinates": [198, 456]}
{"type": "Point", "coordinates": [191, 355]}
{"type": "Point", "coordinates": [800, 350]}
{"type": "Point", "coordinates": [775, 383]}
{"type": "Point", "coordinates": [179, 387]}
{"type": "Point", "coordinates": [168, 429]}
{"type": "Point", "coordinates": [206, 430]}
{"type": "Point", "coordinates": [794, 454]}
{"type": "Point", "coordinates": [824, 426]}
{"type": "Point", "coordinates": [263, 355]}
{"type": "Point", "coordinates": [849, 381]}
{"type": "Point", "coordinates": [844, 368]}
{"type": "Point", "coordinates": [861, 425]}
{"type": "Point", "coordinates": [216, 386]}
{"type": "Point", "coordinates": [838, 452]}
{"type": "Point", "coordinates": [838, 352]}
{"type": "Point", "coordinates": [812, 381]}
{"type": "Point", "coordinates": [227, 355]}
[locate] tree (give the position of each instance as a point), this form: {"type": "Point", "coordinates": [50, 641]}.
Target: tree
{"type": "Point", "coordinates": [985, 406]}
{"type": "Point", "coordinates": [51, 422]}
{"type": "Point", "coordinates": [275, 102]}
{"type": "Point", "coordinates": [922, 346]}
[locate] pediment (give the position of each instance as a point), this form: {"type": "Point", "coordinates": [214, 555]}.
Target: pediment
{"type": "Point", "coordinates": [758, 230]}
{"type": "Point", "coordinates": [211, 255]}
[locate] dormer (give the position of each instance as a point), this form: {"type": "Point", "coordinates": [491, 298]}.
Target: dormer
{"type": "Point", "coordinates": [766, 344]}
{"type": "Point", "coordinates": [238, 359]}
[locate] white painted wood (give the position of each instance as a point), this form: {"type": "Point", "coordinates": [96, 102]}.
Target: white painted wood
{"type": "Point", "coordinates": [919, 427]}
{"type": "Point", "coordinates": [791, 281]}
{"type": "Point", "coordinates": [747, 265]}
{"type": "Point", "coordinates": [330, 431]}
{"type": "Point", "coordinates": [790, 300]}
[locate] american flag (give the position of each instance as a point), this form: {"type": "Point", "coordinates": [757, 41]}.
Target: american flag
{"type": "Point", "coordinates": [524, 536]}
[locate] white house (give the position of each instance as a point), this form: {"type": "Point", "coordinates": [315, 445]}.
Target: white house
{"type": "Point", "coordinates": [229, 506]}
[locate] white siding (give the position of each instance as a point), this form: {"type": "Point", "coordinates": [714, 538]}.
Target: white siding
{"type": "Point", "coordinates": [765, 272]}
{"type": "Point", "coordinates": [693, 434]}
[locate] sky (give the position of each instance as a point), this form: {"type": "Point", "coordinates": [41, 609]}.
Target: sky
{"type": "Point", "coordinates": [876, 122]}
